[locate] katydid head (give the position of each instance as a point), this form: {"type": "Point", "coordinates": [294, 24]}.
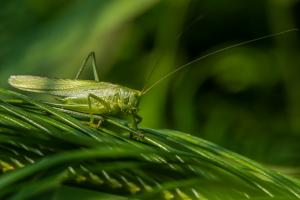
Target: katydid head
{"type": "Point", "coordinates": [130, 99]}
{"type": "Point", "coordinates": [134, 100]}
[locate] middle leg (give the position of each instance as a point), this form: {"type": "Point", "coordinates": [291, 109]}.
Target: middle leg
{"type": "Point", "coordinates": [101, 101]}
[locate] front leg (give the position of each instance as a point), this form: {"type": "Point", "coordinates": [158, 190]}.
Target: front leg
{"type": "Point", "coordinates": [134, 122]}
{"type": "Point", "coordinates": [136, 119]}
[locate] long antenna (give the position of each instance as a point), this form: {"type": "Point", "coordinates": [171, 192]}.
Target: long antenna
{"type": "Point", "coordinates": [178, 37]}
{"type": "Point", "coordinates": [214, 53]}
{"type": "Point", "coordinates": [150, 74]}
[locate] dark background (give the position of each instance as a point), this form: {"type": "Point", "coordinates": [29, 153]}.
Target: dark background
{"type": "Point", "coordinates": [246, 99]}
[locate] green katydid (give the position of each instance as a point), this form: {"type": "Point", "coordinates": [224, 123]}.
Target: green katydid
{"type": "Point", "coordinates": [96, 97]}
{"type": "Point", "coordinates": [85, 96]}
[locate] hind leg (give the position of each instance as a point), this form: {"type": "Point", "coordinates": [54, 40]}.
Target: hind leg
{"type": "Point", "coordinates": [84, 63]}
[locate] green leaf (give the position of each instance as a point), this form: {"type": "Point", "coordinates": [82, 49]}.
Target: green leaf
{"type": "Point", "coordinates": [50, 151]}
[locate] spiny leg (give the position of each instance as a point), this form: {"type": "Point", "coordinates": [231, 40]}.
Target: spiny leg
{"type": "Point", "coordinates": [136, 119]}
{"type": "Point", "coordinates": [84, 63]}
{"type": "Point", "coordinates": [134, 122]}
{"type": "Point", "coordinates": [100, 100]}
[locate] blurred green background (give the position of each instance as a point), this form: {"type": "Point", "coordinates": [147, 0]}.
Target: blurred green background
{"type": "Point", "coordinates": [246, 99]}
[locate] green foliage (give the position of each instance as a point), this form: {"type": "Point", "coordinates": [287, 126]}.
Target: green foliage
{"type": "Point", "coordinates": [246, 99]}
{"type": "Point", "coordinates": [48, 151]}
